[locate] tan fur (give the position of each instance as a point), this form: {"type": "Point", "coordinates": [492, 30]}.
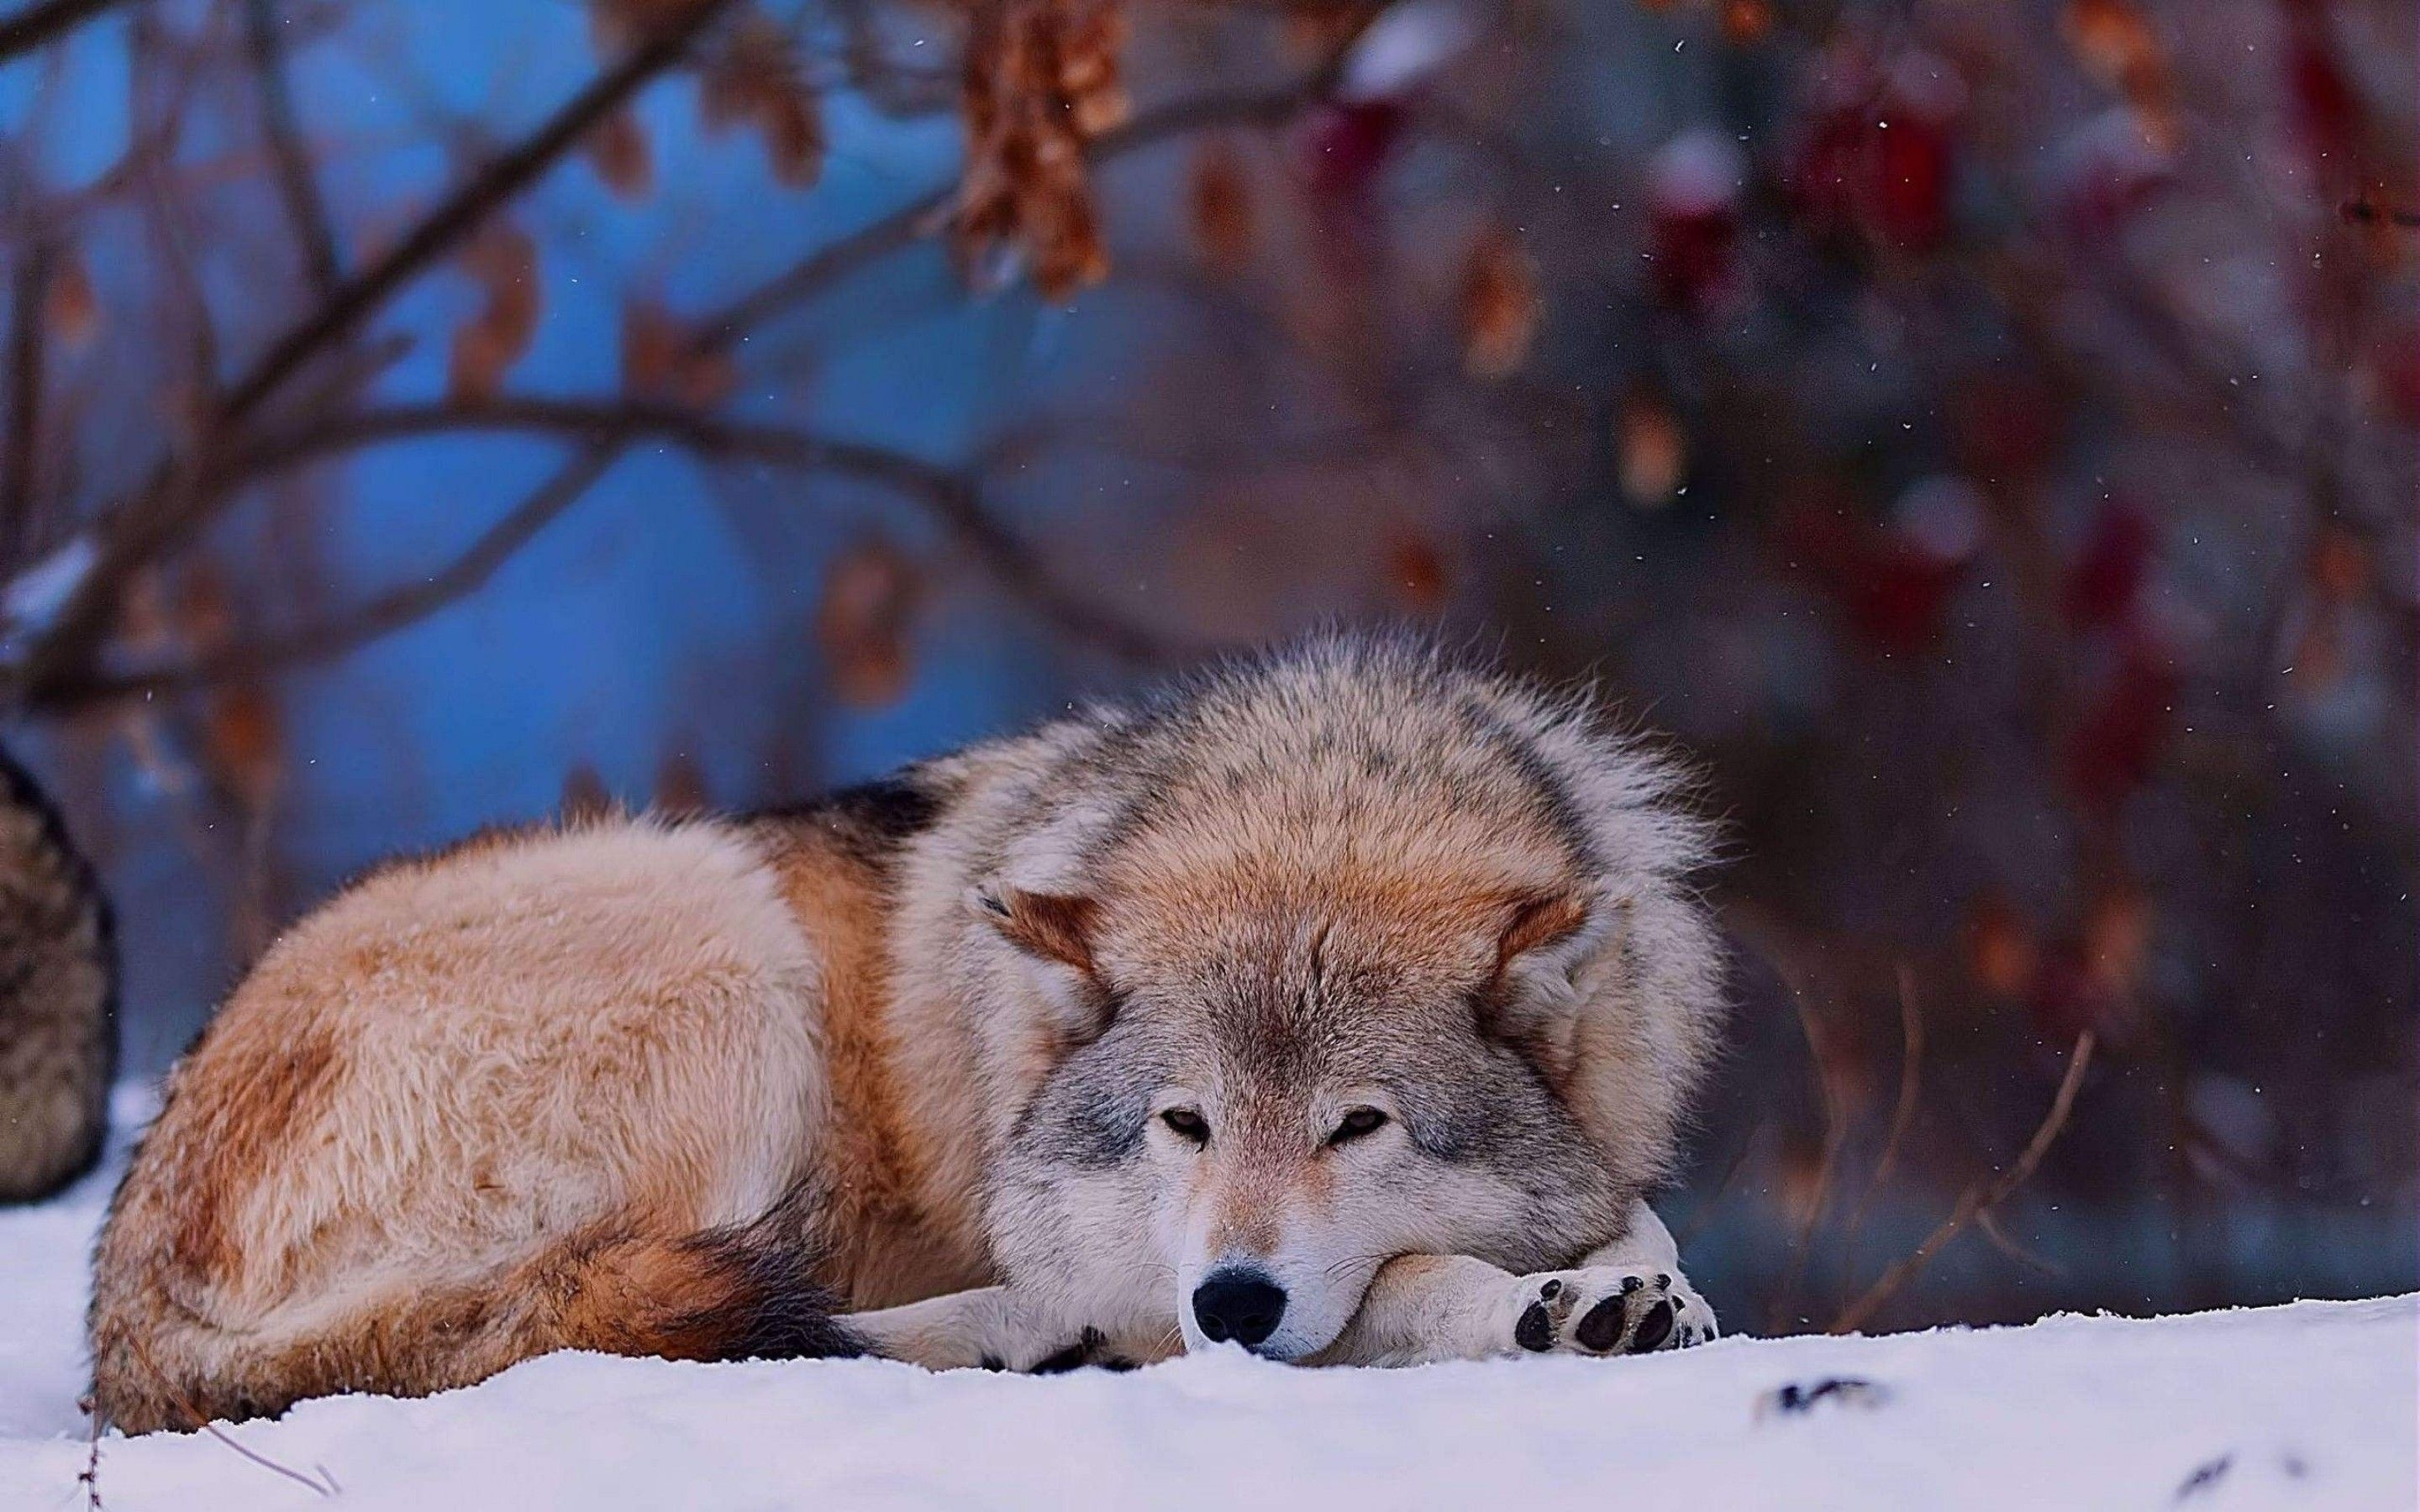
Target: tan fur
{"type": "Point", "coordinates": [597, 1088]}
{"type": "Point", "coordinates": [440, 1085]}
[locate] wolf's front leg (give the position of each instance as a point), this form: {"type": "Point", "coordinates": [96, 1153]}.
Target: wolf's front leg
{"type": "Point", "coordinates": [1627, 1298]}
{"type": "Point", "coordinates": [990, 1328]}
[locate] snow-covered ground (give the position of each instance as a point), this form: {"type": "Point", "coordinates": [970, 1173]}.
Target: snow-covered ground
{"type": "Point", "coordinates": [2313, 1405]}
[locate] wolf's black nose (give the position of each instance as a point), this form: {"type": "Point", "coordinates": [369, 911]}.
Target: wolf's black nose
{"type": "Point", "coordinates": [1241, 1305]}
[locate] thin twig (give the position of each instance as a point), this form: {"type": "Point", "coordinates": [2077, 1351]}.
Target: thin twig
{"type": "Point", "coordinates": [201, 1422]}
{"type": "Point", "coordinates": [289, 152]}
{"type": "Point", "coordinates": [89, 1477]}
{"type": "Point", "coordinates": [1767, 936]}
{"type": "Point", "coordinates": [1979, 1199]}
{"type": "Point", "coordinates": [605, 428]}
{"type": "Point", "coordinates": [953, 496]}
{"type": "Point", "coordinates": [1987, 1223]}
{"type": "Point", "coordinates": [382, 615]}
{"type": "Point", "coordinates": [1827, 1166]}
{"type": "Point", "coordinates": [445, 227]}
{"type": "Point", "coordinates": [26, 342]}
{"type": "Point", "coordinates": [1910, 1081]}
{"type": "Point", "coordinates": [1703, 1213]}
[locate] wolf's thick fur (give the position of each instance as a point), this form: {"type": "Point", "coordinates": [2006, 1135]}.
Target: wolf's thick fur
{"type": "Point", "coordinates": [1369, 980]}
{"type": "Point", "coordinates": [58, 997]}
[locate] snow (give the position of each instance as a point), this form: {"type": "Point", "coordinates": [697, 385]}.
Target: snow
{"type": "Point", "coordinates": [2311, 1405]}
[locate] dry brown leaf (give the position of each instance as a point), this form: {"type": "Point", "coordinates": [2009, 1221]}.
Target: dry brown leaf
{"type": "Point", "coordinates": [1655, 452]}
{"type": "Point", "coordinates": [1221, 201]}
{"type": "Point", "coordinates": [244, 740]}
{"type": "Point", "coordinates": [69, 306]}
{"type": "Point", "coordinates": [1746, 20]}
{"type": "Point", "coordinates": [502, 261]}
{"type": "Point", "coordinates": [756, 79]}
{"type": "Point", "coordinates": [680, 786]}
{"type": "Point", "coordinates": [585, 797]}
{"type": "Point", "coordinates": [1418, 569]}
{"type": "Point", "coordinates": [660, 360]}
{"type": "Point", "coordinates": [2001, 955]}
{"type": "Point", "coordinates": [1041, 81]}
{"type": "Point", "coordinates": [2115, 43]}
{"type": "Point", "coordinates": [862, 623]}
{"type": "Point", "coordinates": [616, 26]}
{"type": "Point", "coordinates": [2117, 939]}
{"type": "Point", "coordinates": [2341, 568]}
{"type": "Point", "coordinates": [792, 130]}
{"type": "Point", "coordinates": [202, 615]}
{"type": "Point", "coordinates": [618, 151]}
{"type": "Point", "coordinates": [1500, 305]}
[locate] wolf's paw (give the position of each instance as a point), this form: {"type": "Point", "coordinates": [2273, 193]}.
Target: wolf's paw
{"type": "Point", "coordinates": [1608, 1310]}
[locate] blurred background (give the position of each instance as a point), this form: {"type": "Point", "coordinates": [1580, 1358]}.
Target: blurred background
{"type": "Point", "coordinates": [1982, 432]}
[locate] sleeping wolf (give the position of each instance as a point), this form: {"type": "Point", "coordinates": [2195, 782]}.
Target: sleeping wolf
{"type": "Point", "coordinates": [1342, 1005]}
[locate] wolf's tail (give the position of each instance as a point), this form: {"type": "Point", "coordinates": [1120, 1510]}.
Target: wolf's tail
{"type": "Point", "coordinates": [162, 1359]}
{"type": "Point", "coordinates": [59, 998]}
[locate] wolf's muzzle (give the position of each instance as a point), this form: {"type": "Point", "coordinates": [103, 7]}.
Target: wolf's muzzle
{"type": "Point", "coordinates": [1242, 1305]}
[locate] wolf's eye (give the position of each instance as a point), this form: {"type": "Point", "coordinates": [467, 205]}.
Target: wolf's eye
{"type": "Point", "coordinates": [1357, 1123]}
{"type": "Point", "coordinates": [1188, 1124]}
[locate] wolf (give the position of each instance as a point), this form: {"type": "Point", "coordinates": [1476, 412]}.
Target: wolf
{"type": "Point", "coordinates": [1342, 1005]}
{"type": "Point", "coordinates": [59, 997]}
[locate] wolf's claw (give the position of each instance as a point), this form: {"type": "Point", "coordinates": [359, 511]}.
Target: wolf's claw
{"type": "Point", "coordinates": [1608, 1311]}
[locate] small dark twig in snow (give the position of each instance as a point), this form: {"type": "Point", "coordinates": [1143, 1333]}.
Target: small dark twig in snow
{"type": "Point", "coordinates": [195, 1415]}
{"type": "Point", "coordinates": [2205, 1476]}
{"type": "Point", "coordinates": [90, 1476]}
{"type": "Point", "coordinates": [1845, 1391]}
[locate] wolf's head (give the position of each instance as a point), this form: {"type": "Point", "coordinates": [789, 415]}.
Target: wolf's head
{"type": "Point", "coordinates": [1346, 957]}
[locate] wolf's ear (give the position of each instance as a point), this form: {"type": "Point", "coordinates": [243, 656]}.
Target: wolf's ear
{"type": "Point", "coordinates": [1546, 944]}
{"type": "Point", "coordinates": [1056, 927]}
{"type": "Point", "coordinates": [1538, 921]}
{"type": "Point", "coordinates": [1051, 926]}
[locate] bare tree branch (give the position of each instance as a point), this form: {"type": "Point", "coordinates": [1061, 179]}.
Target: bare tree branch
{"type": "Point", "coordinates": [39, 24]}
{"type": "Point", "coordinates": [289, 152]}
{"type": "Point", "coordinates": [25, 343]}
{"type": "Point", "coordinates": [603, 431]}
{"type": "Point", "coordinates": [444, 228]}
{"type": "Point", "coordinates": [382, 615]}
{"type": "Point", "coordinates": [952, 496]}
{"type": "Point", "coordinates": [169, 507]}
{"type": "Point", "coordinates": [1978, 1200]}
{"type": "Point", "coordinates": [179, 499]}
{"type": "Point", "coordinates": [1910, 1082]}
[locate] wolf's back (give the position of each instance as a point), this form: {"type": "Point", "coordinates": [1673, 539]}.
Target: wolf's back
{"type": "Point", "coordinates": [59, 988]}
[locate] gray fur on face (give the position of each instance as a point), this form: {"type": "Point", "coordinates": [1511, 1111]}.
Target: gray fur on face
{"type": "Point", "coordinates": [1304, 880]}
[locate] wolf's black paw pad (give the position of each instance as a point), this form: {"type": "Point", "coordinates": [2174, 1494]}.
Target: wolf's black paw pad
{"type": "Point", "coordinates": [1608, 1311]}
{"type": "Point", "coordinates": [1535, 1332]}
{"type": "Point", "coordinates": [1600, 1327]}
{"type": "Point", "coordinates": [1654, 1327]}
